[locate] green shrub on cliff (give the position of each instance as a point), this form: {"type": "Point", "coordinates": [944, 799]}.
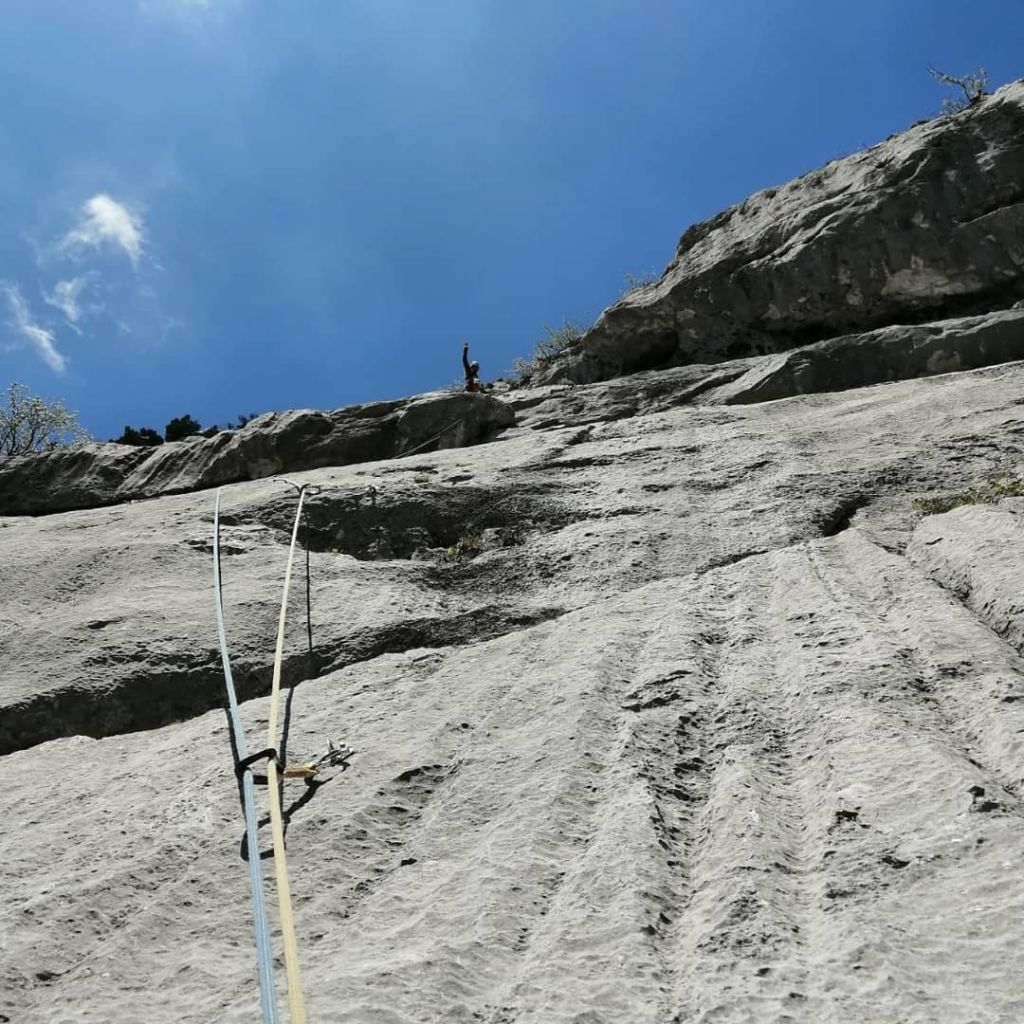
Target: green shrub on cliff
{"type": "Point", "coordinates": [181, 427]}
{"type": "Point", "coordinates": [144, 437]}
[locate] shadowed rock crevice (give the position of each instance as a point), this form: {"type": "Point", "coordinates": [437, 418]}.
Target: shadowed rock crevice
{"type": "Point", "coordinates": [837, 519]}
{"type": "Point", "coordinates": [405, 523]}
{"type": "Point", "coordinates": [879, 357]}
{"type": "Point", "coordinates": [195, 686]}
{"type": "Point", "coordinates": [1000, 296]}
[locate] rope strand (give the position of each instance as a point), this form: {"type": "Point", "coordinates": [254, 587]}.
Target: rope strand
{"type": "Point", "coordinates": [264, 958]}
{"type": "Point", "coordinates": [291, 953]}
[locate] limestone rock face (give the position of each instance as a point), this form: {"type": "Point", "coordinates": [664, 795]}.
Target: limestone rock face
{"type": "Point", "coordinates": [667, 704]}
{"type": "Point", "coordinates": [925, 226]}
{"type": "Point", "coordinates": [92, 475]}
{"type": "Point", "coordinates": [662, 711]}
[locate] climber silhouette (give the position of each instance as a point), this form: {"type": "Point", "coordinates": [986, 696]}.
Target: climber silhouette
{"type": "Point", "coordinates": [472, 369]}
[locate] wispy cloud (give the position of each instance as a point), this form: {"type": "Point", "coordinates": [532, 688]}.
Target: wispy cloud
{"type": "Point", "coordinates": [28, 330]}
{"type": "Point", "coordinates": [104, 221]}
{"type": "Point", "coordinates": [66, 297]}
{"type": "Point", "coordinates": [188, 10]}
{"type": "Point", "coordinates": [83, 275]}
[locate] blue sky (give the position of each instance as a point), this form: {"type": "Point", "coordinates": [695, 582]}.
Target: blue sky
{"type": "Point", "coordinates": [241, 205]}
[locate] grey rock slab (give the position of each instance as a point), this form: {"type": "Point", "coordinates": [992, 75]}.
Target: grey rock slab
{"type": "Point", "coordinates": [106, 615]}
{"type": "Point", "coordinates": [107, 623]}
{"type": "Point", "coordinates": [93, 475]}
{"type": "Point", "coordinates": [453, 420]}
{"type": "Point", "coordinates": [977, 553]}
{"type": "Point", "coordinates": [723, 794]}
{"type": "Point", "coordinates": [686, 737]}
{"type": "Point", "coordinates": [67, 478]}
{"type": "Point", "coordinates": [892, 353]}
{"type": "Point", "coordinates": [554, 405]}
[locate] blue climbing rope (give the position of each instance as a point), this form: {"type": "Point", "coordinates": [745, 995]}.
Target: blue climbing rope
{"type": "Point", "coordinates": [264, 957]}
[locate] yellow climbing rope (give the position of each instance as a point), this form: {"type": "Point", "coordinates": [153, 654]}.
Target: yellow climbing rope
{"type": "Point", "coordinates": [296, 1003]}
{"type": "Point", "coordinates": [337, 755]}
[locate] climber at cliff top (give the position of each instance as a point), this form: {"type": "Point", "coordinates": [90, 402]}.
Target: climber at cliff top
{"type": "Point", "coordinates": [472, 369]}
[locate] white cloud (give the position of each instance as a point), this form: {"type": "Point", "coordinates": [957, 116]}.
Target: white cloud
{"type": "Point", "coordinates": [65, 297]}
{"type": "Point", "coordinates": [39, 337]}
{"type": "Point", "coordinates": [104, 221]}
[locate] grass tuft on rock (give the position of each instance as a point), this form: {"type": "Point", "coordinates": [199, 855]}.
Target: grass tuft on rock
{"type": "Point", "coordinates": [1009, 486]}
{"type": "Point", "coordinates": [467, 547]}
{"type": "Point", "coordinates": [555, 341]}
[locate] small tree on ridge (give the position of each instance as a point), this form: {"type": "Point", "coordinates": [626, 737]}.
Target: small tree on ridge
{"type": "Point", "coordinates": [28, 423]}
{"type": "Point", "coordinates": [973, 86]}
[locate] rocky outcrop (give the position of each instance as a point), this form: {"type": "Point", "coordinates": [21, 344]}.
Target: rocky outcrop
{"type": "Point", "coordinates": [975, 552]}
{"type": "Point", "coordinates": [91, 475]}
{"type": "Point", "coordinates": [927, 225]}
{"type": "Point", "coordinates": [857, 360]}
{"type": "Point", "coordinates": [888, 354]}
